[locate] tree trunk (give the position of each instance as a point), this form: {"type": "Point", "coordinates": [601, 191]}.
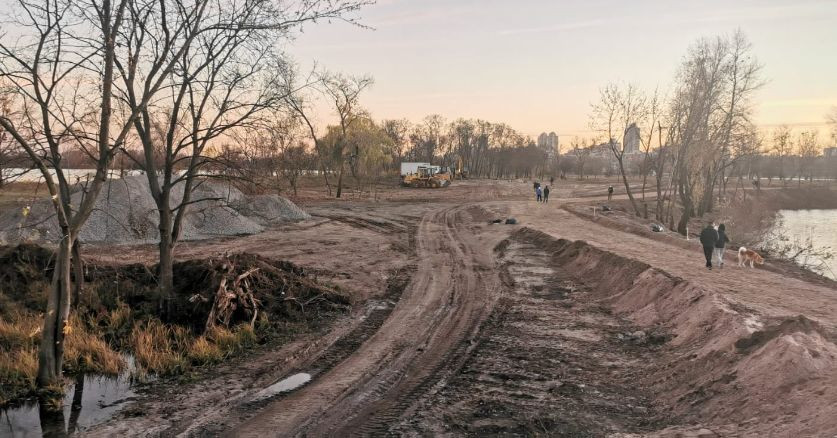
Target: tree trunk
{"type": "Point", "coordinates": [165, 275]}
{"type": "Point", "coordinates": [325, 175]}
{"type": "Point", "coordinates": [78, 272]}
{"type": "Point", "coordinates": [51, 350]}
{"type": "Point", "coordinates": [628, 188]}
{"type": "Point", "coordinates": [340, 180]}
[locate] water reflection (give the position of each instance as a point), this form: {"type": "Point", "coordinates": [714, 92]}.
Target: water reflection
{"type": "Point", "coordinates": [90, 400]}
{"type": "Point", "coordinates": [285, 385]}
{"type": "Point", "coordinates": [817, 226]}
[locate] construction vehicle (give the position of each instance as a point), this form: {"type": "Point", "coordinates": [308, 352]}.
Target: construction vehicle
{"type": "Point", "coordinates": [432, 177]}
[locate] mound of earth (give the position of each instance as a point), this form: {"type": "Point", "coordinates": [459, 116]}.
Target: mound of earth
{"type": "Point", "coordinates": [725, 365]}
{"type": "Point", "coordinates": [125, 212]}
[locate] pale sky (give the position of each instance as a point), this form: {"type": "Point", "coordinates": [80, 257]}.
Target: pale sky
{"type": "Point", "coordinates": [538, 64]}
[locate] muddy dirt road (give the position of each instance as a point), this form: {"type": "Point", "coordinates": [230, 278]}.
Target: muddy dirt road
{"type": "Point", "coordinates": [562, 325]}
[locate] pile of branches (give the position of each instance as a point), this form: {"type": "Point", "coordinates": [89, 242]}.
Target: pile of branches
{"type": "Point", "coordinates": [230, 297]}
{"type": "Point", "coordinates": [239, 288]}
{"type": "Point", "coordinates": [226, 291]}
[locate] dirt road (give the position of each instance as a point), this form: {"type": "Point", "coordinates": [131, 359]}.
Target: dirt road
{"type": "Point", "coordinates": [451, 293]}
{"type": "Point", "coordinates": [508, 329]}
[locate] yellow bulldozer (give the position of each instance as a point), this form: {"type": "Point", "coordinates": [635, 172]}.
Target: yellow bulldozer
{"type": "Point", "coordinates": [427, 176]}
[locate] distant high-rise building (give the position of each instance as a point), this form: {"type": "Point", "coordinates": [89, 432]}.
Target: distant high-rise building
{"type": "Point", "coordinates": [632, 139]}
{"type": "Point", "coordinates": [542, 139]}
{"type": "Point", "coordinates": [552, 142]}
{"type": "Point", "coordinates": [549, 143]}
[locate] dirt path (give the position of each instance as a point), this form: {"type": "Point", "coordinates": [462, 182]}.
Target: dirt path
{"type": "Point", "coordinates": [452, 291]}
{"type": "Point", "coordinates": [443, 357]}
{"type": "Point", "coordinates": [550, 361]}
{"type": "Point", "coordinates": [766, 292]}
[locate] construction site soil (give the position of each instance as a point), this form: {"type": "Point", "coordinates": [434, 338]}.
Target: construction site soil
{"type": "Point", "coordinates": [567, 323]}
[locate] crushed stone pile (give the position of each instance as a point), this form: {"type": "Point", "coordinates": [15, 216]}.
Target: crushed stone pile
{"type": "Point", "coordinates": [125, 212]}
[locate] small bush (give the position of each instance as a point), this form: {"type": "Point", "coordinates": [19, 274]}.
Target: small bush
{"type": "Point", "coordinates": [203, 352]}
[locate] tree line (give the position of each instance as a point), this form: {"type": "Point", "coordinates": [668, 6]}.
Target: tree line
{"type": "Point", "coordinates": [699, 139]}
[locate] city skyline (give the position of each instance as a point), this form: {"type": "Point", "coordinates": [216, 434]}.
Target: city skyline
{"type": "Point", "coordinates": [539, 65]}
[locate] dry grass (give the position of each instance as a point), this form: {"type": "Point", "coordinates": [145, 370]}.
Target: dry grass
{"type": "Point", "coordinates": [20, 331]}
{"type": "Point", "coordinates": [19, 337]}
{"type": "Point", "coordinates": [203, 352]}
{"type": "Point", "coordinates": [159, 348]}
{"type": "Point", "coordinates": [18, 370]}
{"type": "Point", "coordinates": [88, 352]}
{"type": "Point", "coordinates": [170, 350]}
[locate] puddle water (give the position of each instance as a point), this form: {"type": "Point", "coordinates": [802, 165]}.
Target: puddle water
{"type": "Point", "coordinates": [91, 400]}
{"type": "Point", "coordinates": [284, 385]}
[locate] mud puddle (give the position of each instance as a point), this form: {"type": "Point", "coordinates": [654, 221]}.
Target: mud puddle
{"type": "Point", "coordinates": [287, 384]}
{"type": "Point", "coordinates": [550, 361]}
{"type": "Point", "coordinates": [90, 400]}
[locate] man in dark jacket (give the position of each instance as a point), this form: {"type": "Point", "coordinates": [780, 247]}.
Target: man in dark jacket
{"type": "Point", "coordinates": [708, 238]}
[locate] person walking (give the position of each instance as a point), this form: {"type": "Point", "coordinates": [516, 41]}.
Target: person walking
{"type": "Point", "coordinates": [546, 194]}
{"type": "Point", "coordinates": [723, 239]}
{"type": "Point", "coordinates": [708, 238]}
{"type": "Point", "coordinates": [539, 194]}
{"type": "Point", "coordinates": [609, 193]}
{"type": "Point", "coordinates": [552, 179]}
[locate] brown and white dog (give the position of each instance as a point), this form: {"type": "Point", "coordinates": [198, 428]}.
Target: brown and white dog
{"type": "Point", "coordinates": [746, 255]}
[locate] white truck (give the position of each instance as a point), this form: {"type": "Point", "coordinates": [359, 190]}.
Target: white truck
{"type": "Point", "coordinates": [411, 167]}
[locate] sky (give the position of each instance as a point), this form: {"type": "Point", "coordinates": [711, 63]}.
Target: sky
{"type": "Point", "coordinates": [538, 64]}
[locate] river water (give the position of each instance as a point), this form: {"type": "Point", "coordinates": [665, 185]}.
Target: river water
{"type": "Point", "coordinates": [819, 227]}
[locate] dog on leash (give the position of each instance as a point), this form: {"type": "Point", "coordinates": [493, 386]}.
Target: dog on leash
{"type": "Point", "coordinates": [747, 255]}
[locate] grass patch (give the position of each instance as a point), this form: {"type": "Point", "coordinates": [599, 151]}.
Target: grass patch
{"type": "Point", "coordinates": [85, 351]}
{"type": "Point", "coordinates": [158, 348]}
{"type": "Point", "coordinates": [118, 312]}
{"type": "Point", "coordinates": [18, 370]}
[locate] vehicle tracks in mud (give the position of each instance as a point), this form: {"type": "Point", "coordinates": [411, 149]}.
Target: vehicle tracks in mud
{"type": "Point", "coordinates": [549, 361]}
{"type": "Point", "coordinates": [452, 291]}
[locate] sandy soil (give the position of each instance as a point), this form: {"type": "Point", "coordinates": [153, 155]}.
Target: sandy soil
{"type": "Point", "coordinates": [562, 325]}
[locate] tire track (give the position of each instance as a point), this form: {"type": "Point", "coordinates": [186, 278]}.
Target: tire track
{"type": "Point", "coordinates": [451, 293]}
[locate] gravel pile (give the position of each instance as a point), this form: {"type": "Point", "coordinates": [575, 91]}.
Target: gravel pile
{"type": "Point", "coordinates": [125, 212]}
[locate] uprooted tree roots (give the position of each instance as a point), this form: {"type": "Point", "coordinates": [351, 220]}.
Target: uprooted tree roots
{"type": "Point", "coordinates": [239, 288]}
{"type": "Point", "coordinates": [226, 291]}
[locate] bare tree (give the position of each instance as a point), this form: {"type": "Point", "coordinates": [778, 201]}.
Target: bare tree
{"type": "Point", "coordinates": [294, 161]}
{"type": "Point", "coordinates": [230, 73]}
{"type": "Point", "coordinates": [831, 119]}
{"type": "Point", "coordinates": [344, 95]}
{"type": "Point", "coordinates": [652, 120]}
{"type": "Point", "coordinates": [298, 99]}
{"type": "Point", "coordinates": [618, 108]}
{"type": "Point", "coordinates": [62, 72]}
{"type": "Point", "coordinates": [809, 150]}
{"type": "Point", "coordinates": [398, 131]}
{"type": "Point", "coordinates": [12, 159]}
{"type": "Point", "coordinates": [581, 151]}
{"type": "Point", "coordinates": [709, 113]}
{"type": "Point", "coordinates": [782, 147]}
